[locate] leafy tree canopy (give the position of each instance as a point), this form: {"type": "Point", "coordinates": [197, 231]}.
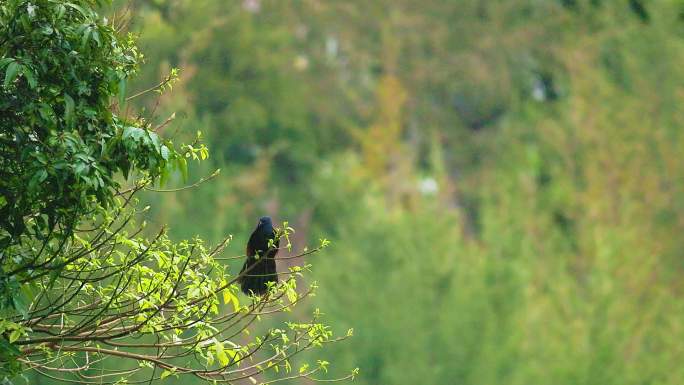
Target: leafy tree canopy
{"type": "Point", "coordinates": [80, 282]}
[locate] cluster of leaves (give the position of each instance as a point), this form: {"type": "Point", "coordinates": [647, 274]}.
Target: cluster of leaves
{"type": "Point", "coordinates": [61, 142]}
{"type": "Point", "coordinates": [155, 303]}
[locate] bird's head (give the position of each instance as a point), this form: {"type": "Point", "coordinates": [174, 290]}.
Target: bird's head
{"type": "Point", "coordinates": [266, 224]}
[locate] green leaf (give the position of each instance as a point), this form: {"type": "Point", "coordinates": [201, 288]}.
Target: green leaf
{"type": "Point", "coordinates": [96, 37]}
{"type": "Point", "coordinates": [125, 169]}
{"type": "Point", "coordinates": [133, 132]}
{"type": "Point", "coordinates": [77, 7]}
{"type": "Point", "coordinates": [323, 365]}
{"type": "Point", "coordinates": [86, 35]}
{"type": "Point", "coordinates": [167, 373]}
{"type": "Point", "coordinates": [183, 166]}
{"type": "Point", "coordinates": [37, 178]}
{"type": "Point", "coordinates": [45, 111]}
{"type": "Point", "coordinates": [5, 61]}
{"type": "Point", "coordinates": [11, 72]}
{"type": "Point", "coordinates": [122, 92]}
{"type": "Point", "coordinates": [6, 347]}
{"type": "Point", "coordinates": [16, 333]}
{"type": "Point", "coordinates": [155, 140]}
{"type": "Point", "coordinates": [29, 77]}
{"type": "Point", "coordinates": [68, 107]}
{"type": "Point", "coordinates": [229, 297]}
{"type": "Point", "coordinates": [20, 305]}
{"type": "Point", "coordinates": [221, 353]}
{"type": "Point", "coordinates": [291, 295]}
{"type": "Point", "coordinates": [61, 9]}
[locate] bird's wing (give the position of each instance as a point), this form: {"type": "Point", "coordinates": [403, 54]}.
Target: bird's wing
{"type": "Point", "coordinates": [250, 251]}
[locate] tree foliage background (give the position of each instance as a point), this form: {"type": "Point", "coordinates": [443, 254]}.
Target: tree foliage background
{"type": "Point", "coordinates": [503, 180]}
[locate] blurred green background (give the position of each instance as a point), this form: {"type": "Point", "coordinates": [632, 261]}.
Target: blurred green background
{"type": "Point", "coordinates": [502, 180]}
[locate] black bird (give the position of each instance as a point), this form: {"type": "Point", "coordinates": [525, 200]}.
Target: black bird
{"type": "Point", "coordinates": [260, 266]}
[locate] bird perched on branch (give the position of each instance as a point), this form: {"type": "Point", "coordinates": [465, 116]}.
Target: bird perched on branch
{"type": "Point", "coordinates": [260, 266]}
